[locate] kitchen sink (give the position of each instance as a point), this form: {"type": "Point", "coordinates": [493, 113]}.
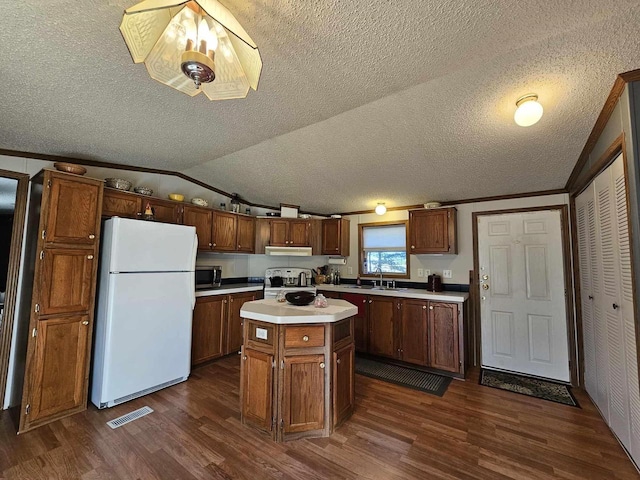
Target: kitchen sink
{"type": "Point", "coordinates": [391, 289]}
{"type": "Point", "coordinates": [364, 287]}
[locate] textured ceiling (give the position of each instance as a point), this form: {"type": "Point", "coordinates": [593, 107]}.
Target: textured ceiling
{"type": "Point", "coordinates": [358, 102]}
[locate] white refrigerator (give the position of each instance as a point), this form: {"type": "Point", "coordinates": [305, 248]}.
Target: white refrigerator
{"type": "Point", "coordinates": [146, 295]}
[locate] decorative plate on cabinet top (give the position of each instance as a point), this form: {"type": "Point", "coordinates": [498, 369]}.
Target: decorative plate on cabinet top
{"type": "Point", "coordinates": [201, 202]}
{"type": "Point", "coordinates": [118, 183]}
{"type": "Point", "coordinates": [432, 205]}
{"type": "Point", "coordinates": [70, 168]}
{"type": "Point", "coordinates": [143, 190]}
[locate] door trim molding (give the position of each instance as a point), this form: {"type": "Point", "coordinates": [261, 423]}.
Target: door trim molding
{"type": "Point", "coordinates": [15, 255]}
{"type": "Point", "coordinates": [566, 257]}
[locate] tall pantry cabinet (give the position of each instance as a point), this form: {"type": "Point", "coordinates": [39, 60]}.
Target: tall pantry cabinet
{"type": "Point", "coordinates": [64, 266]}
{"type": "Point", "coordinates": [607, 304]}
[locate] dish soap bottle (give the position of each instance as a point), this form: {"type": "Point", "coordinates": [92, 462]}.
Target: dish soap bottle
{"type": "Point", "coordinates": [358, 282]}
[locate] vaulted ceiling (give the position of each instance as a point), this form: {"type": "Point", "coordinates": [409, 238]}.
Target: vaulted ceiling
{"type": "Point", "coordinates": [359, 101]}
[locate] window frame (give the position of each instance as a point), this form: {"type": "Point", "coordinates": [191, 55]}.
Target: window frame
{"type": "Point", "coordinates": [361, 253]}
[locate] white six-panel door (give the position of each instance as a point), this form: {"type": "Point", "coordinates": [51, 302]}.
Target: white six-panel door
{"type": "Point", "coordinates": [522, 294]}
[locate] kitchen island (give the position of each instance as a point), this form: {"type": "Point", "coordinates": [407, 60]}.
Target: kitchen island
{"type": "Point", "coordinates": [297, 372]}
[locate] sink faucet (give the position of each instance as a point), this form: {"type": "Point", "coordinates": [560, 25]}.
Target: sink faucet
{"type": "Point", "coordinates": [379, 270]}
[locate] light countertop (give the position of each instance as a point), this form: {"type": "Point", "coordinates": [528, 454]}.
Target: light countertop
{"type": "Point", "coordinates": [272, 311]}
{"type": "Point", "coordinates": [231, 288]}
{"type": "Point", "coordinates": [457, 297]}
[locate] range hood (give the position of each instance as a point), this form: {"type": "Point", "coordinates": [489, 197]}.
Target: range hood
{"type": "Point", "coordinates": [288, 251]}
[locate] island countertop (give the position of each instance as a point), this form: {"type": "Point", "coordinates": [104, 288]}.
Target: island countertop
{"type": "Point", "coordinates": [272, 311]}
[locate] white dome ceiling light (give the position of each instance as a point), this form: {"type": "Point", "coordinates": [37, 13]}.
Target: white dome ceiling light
{"type": "Point", "coordinates": [381, 208]}
{"type": "Point", "coordinates": [529, 111]}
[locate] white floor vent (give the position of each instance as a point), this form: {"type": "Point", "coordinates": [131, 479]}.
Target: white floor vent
{"type": "Point", "coordinates": [129, 417]}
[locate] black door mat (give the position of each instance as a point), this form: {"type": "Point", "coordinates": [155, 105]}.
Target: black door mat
{"type": "Point", "coordinates": [532, 387]}
{"type": "Point", "coordinates": [406, 377]}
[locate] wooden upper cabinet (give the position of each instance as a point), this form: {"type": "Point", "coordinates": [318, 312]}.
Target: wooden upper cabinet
{"type": "Point", "coordinates": [66, 280]}
{"type": "Point", "coordinates": [299, 233]}
{"type": "Point", "coordinates": [208, 328]}
{"type": "Point", "coordinates": [444, 336]}
{"type": "Point", "coordinates": [335, 237]}
{"type": "Point", "coordinates": [413, 331]}
{"type": "Point", "coordinates": [303, 393]}
{"type": "Point", "coordinates": [201, 218]}
{"type": "Point", "coordinates": [433, 230]}
{"type": "Point", "coordinates": [246, 234]}
{"type": "Point", "coordinates": [263, 234]}
{"type": "Point", "coordinates": [121, 204]}
{"type": "Point", "coordinates": [72, 207]}
{"type": "Point", "coordinates": [60, 368]}
{"type": "Point", "coordinates": [257, 388]}
{"type": "Point", "coordinates": [164, 211]}
{"type": "Point", "coordinates": [279, 233]}
{"type": "Point", "coordinates": [382, 326]}
{"type": "Point", "coordinates": [224, 231]}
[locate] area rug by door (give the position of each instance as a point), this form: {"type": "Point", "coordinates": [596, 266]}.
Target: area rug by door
{"type": "Point", "coordinates": [406, 377]}
{"type": "Point", "coordinates": [533, 387]}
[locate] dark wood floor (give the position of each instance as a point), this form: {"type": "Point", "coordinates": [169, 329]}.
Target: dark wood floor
{"type": "Point", "coordinates": [472, 432]}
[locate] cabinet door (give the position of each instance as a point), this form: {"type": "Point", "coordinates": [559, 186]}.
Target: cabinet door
{"type": "Point", "coordinates": [73, 210]}
{"type": "Point", "coordinates": [234, 325]}
{"type": "Point", "coordinates": [257, 389]}
{"type": "Point", "coordinates": [343, 384]}
{"type": "Point", "coordinates": [413, 331]}
{"type": "Point", "coordinates": [207, 330]}
{"type": "Point", "coordinates": [163, 210]}
{"type": "Point", "coordinates": [58, 372]}
{"type": "Point", "coordinates": [360, 321]}
{"type": "Point", "coordinates": [331, 236]}
{"type": "Point", "coordinates": [224, 231]}
{"type": "Point", "coordinates": [299, 233]}
{"type": "Point", "coordinates": [246, 235]}
{"type": "Point", "coordinates": [381, 326]}
{"type": "Point", "coordinates": [201, 219]}
{"type": "Point", "coordinates": [121, 204]}
{"type": "Point", "coordinates": [433, 231]}
{"type": "Point", "coordinates": [279, 233]}
{"type": "Point", "coordinates": [66, 280]}
{"type": "Point", "coordinates": [444, 346]}
{"type": "Point", "coordinates": [303, 393]}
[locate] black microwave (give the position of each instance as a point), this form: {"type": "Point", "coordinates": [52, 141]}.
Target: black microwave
{"type": "Point", "coordinates": [208, 277]}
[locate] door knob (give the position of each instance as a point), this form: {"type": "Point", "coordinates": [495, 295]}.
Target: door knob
{"type": "Point", "coordinates": [92, 236]}
{"type": "Point", "coordinates": [89, 257]}
{"type": "Point", "coordinates": [485, 286]}
{"type": "Point", "coordinates": [85, 322]}
{"type": "Point", "coordinates": [305, 338]}
{"type": "Point", "coordinates": [321, 364]}
{"type": "Point", "coordinates": [338, 361]}
{"type": "Point", "coordinates": [430, 307]}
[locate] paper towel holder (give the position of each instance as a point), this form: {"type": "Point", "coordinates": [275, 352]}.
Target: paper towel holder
{"type": "Point", "coordinates": [337, 261]}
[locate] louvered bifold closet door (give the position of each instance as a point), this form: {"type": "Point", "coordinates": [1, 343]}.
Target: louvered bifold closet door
{"type": "Point", "coordinates": [626, 305]}
{"type": "Point", "coordinates": [584, 208]}
{"type": "Point", "coordinates": [608, 300]}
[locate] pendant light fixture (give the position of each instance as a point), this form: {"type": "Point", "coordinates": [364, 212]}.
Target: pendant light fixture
{"type": "Point", "coordinates": [193, 46]}
{"type": "Point", "coordinates": [529, 111]}
{"type": "Point", "coordinates": [381, 208]}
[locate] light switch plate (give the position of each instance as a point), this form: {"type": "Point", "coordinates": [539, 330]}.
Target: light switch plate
{"type": "Point", "coordinates": [427, 272]}
{"type": "Point", "coordinates": [420, 272]}
{"type": "Point", "coordinates": [446, 273]}
{"type": "Point", "coordinates": [350, 270]}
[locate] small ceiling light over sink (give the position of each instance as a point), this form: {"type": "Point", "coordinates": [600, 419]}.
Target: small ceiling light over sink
{"type": "Point", "coordinates": [529, 111]}
{"type": "Point", "coordinates": [193, 46]}
{"type": "Point", "coordinates": [381, 208]}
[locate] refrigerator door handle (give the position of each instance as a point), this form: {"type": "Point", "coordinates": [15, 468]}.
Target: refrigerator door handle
{"type": "Point", "coordinates": [192, 277]}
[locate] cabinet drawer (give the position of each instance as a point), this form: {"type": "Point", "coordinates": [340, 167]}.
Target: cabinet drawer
{"type": "Point", "coordinates": [304, 336]}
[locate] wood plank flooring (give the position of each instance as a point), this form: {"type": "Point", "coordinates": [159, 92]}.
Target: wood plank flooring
{"type": "Point", "coordinates": [472, 432]}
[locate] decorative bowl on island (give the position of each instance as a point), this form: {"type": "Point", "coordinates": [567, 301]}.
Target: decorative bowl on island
{"type": "Point", "coordinates": [118, 183]}
{"type": "Point", "coordinates": [178, 197]}
{"type": "Point", "coordinates": [300, 298]}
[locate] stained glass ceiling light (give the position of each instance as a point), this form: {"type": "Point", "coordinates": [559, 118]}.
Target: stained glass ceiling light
{"type": "Point", "coordinates": [193, 46]}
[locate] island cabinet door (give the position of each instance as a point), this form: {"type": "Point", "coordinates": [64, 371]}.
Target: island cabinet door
{"type": "Point", "coordinates": [303, 393]}
{"type": "Point", "coordinates": [257, 389]}
{"type": "Point", "coordinates": [381, 326]}
{"type": "Point", "coordinates": [413, 331]}
{"type": "Point", "coordinates": [343, 384]}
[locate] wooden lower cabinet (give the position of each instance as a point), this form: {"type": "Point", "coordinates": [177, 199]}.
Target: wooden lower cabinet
{"type": "Point", "coordinates": [360, 321]}
{"type": "Point", "coordinates": [310, 383]}
{"type": "Point", "coordinates": [60, 362]}
{"type": "Point", "coordinates": [382, 312]}
{"type": "Point", "coordinates": [234, 320]}
{"type": "Point", "coordinates": [207, 332]}
{"type": "Point", "coordinates": [257, 389]}
{"type": "Point", "coordinates": [413, 331]}
{"type": "Point", "coordinates": [444, 337]}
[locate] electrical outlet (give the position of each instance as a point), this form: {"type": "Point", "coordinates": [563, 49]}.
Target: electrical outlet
{"type": "Point", "coordinates": [446, 273]}
{"type": "Point", "coordinates": [427, 272]}
{"type": "Point", "coordinates": [350, 270]}
{"type": "Point", "coordinates": [420, 272]}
